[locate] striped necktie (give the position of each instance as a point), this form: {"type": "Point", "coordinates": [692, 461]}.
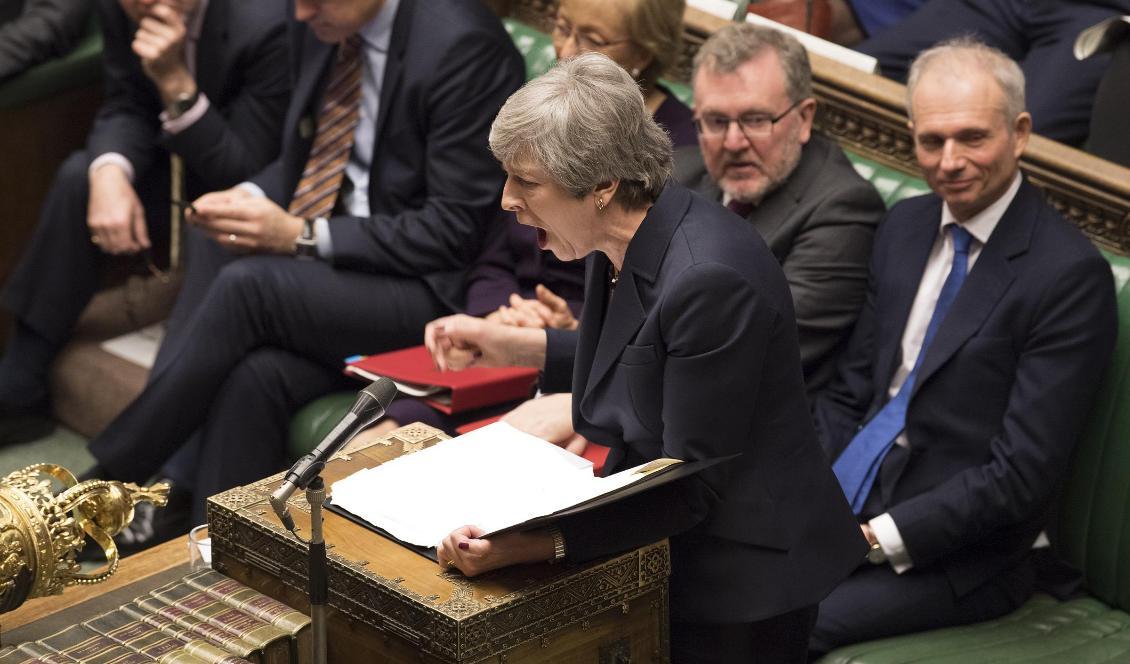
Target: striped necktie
{"type": "Point", "coordinates": [341, 111]}
{"type": "Point", "coordinates": [858, 465]}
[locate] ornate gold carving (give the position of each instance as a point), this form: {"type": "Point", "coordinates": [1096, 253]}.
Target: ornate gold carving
{"type": "Point", "coordinates": [41, 533]}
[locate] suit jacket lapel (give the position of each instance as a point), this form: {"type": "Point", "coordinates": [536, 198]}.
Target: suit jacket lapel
{"type": "Point", "coordinates": [394, 65]}
{"type": "Point", "coordinates": [909, 256]}
{"type": "Point", "coordinates": [592, 319]}
{"type": "Point", "coordinates": [645, 254]}
{"type": "Point", "coordinates": [315, 61]}
{"type": "Point", "coordinates": [983, 287]}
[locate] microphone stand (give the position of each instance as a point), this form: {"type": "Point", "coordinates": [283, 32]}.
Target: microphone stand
{"type": "Point", "coordinates": [317, 581]}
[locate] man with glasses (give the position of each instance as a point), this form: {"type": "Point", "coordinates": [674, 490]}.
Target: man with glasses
{"type": "Point", "coordinates": [757, 155]}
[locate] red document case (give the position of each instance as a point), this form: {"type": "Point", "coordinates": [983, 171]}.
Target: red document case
{"type": "Point", "coordinates": [450, 391]}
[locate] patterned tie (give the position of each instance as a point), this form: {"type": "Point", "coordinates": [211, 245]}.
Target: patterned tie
{"type": "Point", "coordinates": [858, 465]}
{"type": "Point", "coordinates": [321, 180]}
{"type": "Point", "coordinates": [739, 208]}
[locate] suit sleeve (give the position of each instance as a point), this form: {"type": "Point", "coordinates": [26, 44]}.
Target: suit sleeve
{"type": "Point", "coordinates": [45, 28]}
{"type": "Point", "coordinates": [700, 420]}
{"type": "Point", "coordinates": [1068, 348]}
{"type": "Point", "coordinates": [225, 146]}
{"type": "Point", "coordinates": [127, 122]}
{"type": "Point", "coordinates": [463, 180]}
{"type": "Point", "coordinates": [827, 268]}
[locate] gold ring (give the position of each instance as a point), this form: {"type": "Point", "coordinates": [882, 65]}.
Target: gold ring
{"type": "Point", "coordinates": [232, 238]}
{"type": "Point", "coordinates": [451, 563]}
{"type": "Point", "coordinates": [94, 239]}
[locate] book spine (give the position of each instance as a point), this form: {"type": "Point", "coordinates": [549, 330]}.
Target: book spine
{"type": "Point", "coordinates": [85, 645]}
{"type": "Point", "coordinates": [197, 627]}
{"type": "Point", "coordinates": [194, 645]}
{"type": "Point", "coordinates": [240, 623]}
{"type": "Point", "coordinates": [13, 655]}
{"type": "Point", "coordinates": [141, 637]}
{"type": "Point", "coordinates": [39, 653]}
{"type": "Point", "coordinates": [234, 593]}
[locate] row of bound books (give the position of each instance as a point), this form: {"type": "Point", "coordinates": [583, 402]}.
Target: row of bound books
{"type": "Point", "coordinates": [205, 618]}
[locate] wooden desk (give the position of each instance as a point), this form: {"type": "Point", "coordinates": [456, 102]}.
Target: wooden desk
{"type": "Point", "coordinates": [136, 575]}
{"type": "Point", "coordinates": [390, 604]}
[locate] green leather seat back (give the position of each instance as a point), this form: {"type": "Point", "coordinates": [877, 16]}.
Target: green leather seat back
{"type": "Point", "coordinates": [1093, 525]}
{"type": "Point", "coordinates": [315, 420]}
{"type": "Point", "coordinates": [82, 66]}
{"type": "Point", "coordinates": [892, 185]}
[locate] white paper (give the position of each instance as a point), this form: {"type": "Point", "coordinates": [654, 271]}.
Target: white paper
{"type": "Point", "coordinates": [493, 477]}
{"type": "Point", "coordinates": [410, 389]}
{"type": "Point", "coordinates": [139, 347]}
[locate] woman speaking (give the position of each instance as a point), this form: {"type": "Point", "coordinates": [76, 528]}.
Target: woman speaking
{"type": "Point", "coordinates": [687, 349]}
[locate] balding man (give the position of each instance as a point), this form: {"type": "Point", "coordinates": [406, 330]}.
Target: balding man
{"type": "Point", "coordinates": [971, 370]}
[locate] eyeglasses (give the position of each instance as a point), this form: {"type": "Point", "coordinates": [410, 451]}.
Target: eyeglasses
{"type": "Point", "coordinates": [586, 41]}
{"type": "Point", "coordinates": [751, 124]}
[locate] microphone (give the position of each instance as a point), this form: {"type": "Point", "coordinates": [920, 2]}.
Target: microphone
{"type": "Point", "coordinates": [370, 406]}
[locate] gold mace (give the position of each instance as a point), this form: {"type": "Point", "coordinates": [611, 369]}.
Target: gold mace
{"type": "Point", "coordinates": [42, 532]}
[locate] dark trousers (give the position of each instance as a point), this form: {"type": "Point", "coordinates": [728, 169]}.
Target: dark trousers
{"type": "Point", "coordinates": [874, 603]}
{"type": "Point", "coordinates": [60, 270]}
{"type": "Point", "coordinates": [268, 336]}
{"type": "Point", "coordinates": [1038, 34]}
{"type": "Point", "coordinates": [778, 640]}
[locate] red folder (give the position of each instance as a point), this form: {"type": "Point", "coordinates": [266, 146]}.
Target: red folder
{"type": "Point", "coordinates": [450, 391]}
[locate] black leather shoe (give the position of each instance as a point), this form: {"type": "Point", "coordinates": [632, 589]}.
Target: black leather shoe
{"type": "Point", "coordinates": [21, 424]}
{"type": "Point", "coordinates": [154, 525]}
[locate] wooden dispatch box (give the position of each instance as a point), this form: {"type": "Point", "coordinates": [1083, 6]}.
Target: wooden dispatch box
{"type": "Point", "coordinates": [390, 604]}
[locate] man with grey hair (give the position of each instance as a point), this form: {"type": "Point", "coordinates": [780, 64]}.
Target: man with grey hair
{"type": "Point", "coordinates": [968, 377]}
{"type": "Point", "coordinates": [758, 156]}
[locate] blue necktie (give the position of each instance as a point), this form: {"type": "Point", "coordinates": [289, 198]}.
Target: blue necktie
{"type": "Point", "coordinates": [858, 465]}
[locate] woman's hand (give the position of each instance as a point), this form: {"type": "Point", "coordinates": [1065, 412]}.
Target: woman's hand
{"type": "Point", "coordinates": [548, 310]}
{"type": "Point", "coordinates": [461, 341]}
{"type": "Point", "coordinates": [549, 417]}
{"type": "Point", "coordinates": [465, 550]}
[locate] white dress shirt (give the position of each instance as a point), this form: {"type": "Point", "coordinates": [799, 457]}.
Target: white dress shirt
{"type": "Point", "coordinates": [938, 266]}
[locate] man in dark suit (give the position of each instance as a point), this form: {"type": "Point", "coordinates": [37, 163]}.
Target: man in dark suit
{"type": "Point", "coordinates": [198, 78]}
{"type": "Point", "coordinates": [384, 184]}
{"type": "Point", "coordinates": [799, 191]}
{"type": "Point", "coordinates": [972, 368]}
{"type": "Point", "coordinates": [32, 31]}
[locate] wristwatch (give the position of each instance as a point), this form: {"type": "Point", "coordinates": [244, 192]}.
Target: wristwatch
{"type": "Point", "coordinates": [181, 104]}
{"type": "Point", "coordinates": [306, 245]}
{"type": "Point", "coordinates": [875, 554]}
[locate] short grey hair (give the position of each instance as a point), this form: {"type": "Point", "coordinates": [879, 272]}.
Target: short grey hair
{"type": "Point", "coordinates": [585, 123]}
{"type": "Point", "coordinates": [738, 43]}
{"type": "Point", "coordinates": [963, 54]}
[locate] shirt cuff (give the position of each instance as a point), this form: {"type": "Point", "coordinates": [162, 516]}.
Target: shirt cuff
{"type": "Point", "coordinates": [885, 530]}
{"type": "Point", "coordinates": [186, 119]}
{"type": "Point", "coordinates": [115, 158]}
{"type": "Point", "coordinates": [322, 237]}
{"type": "Point", "coordinates": [252, 188]}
